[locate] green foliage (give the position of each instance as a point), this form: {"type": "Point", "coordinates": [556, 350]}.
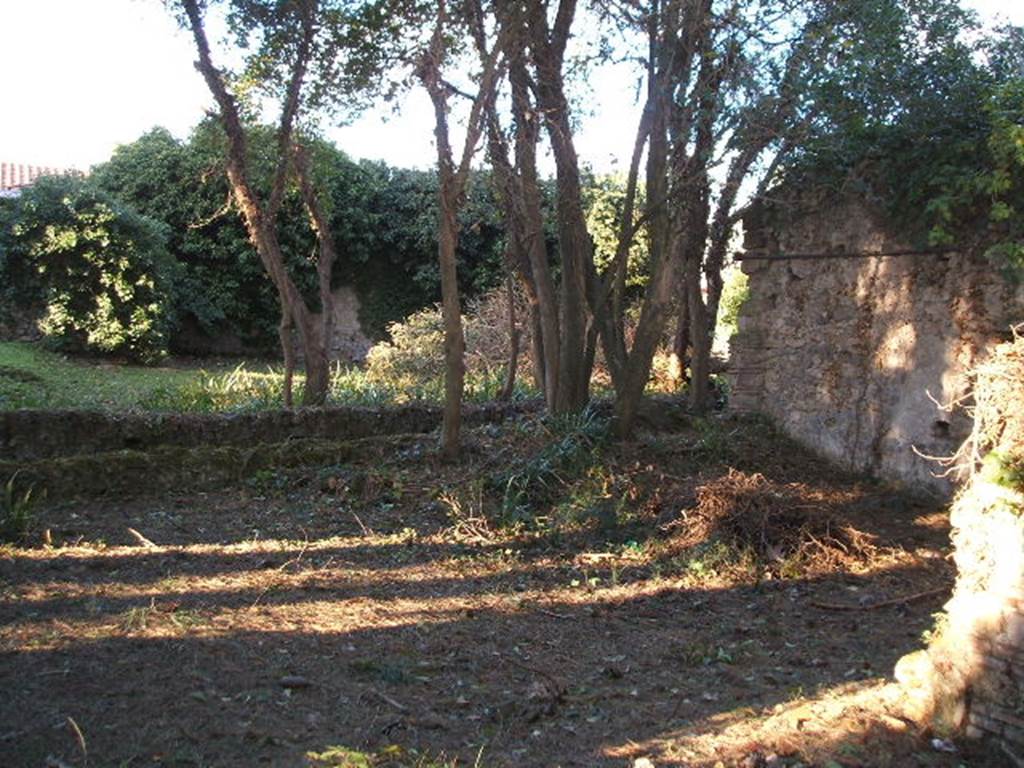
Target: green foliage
{"type": "Point", "coordinates": [383, 220]}
{"type": "Point", "coordinates": [1006, 471]}
{"type": "Point", "coordinates": [926, 109]}
{"type": "Point", "coordinates": [391, 756]}
{"type": "Point", "coordinates": [15, 513]}
{"type": "Point", "coordinates": [31, 377]}
{"type": "Point", "coordinates": [223, 288]}
{"type": "Point", "coordinates": [99, 269]}
{"type": "Point", "coordinates": [717, 560]}
{"type": "Point", "coordinates": [604, 199]}
{"type": "Point", "coordinates": [239, 389]}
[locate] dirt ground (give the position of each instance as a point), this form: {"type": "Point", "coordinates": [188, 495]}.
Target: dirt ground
{"type": "Point", "coordinates": [370, 607]}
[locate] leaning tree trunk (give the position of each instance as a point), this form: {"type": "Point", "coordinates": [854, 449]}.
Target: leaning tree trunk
{"type": "Point", "coordinates": [513, 343]}
{"type": "Point", "coordinates": [649, 331]}
{"type": "Point", "coordinates": [261, 218]}
{"type": "Point", "coordinates": [286, 335]}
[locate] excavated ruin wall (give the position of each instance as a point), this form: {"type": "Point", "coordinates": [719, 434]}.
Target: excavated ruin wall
{"type": "Point", "coordinates": [853, 355]}
{"type": "Point", "coordinates": [970, 679]}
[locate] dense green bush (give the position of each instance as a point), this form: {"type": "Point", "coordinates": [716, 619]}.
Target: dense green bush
{"type": "Point", "coordinates": [223, 288]}
{"type": "Point", "coordinates": [735, 292]}
{"type": "Point", "coordinates": [99, 270]}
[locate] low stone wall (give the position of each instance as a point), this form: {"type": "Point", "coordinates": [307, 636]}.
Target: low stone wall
{"type": "Point", "coordinates": [853, 355]}
{"type": "Point", "coordinates": [30, 435]}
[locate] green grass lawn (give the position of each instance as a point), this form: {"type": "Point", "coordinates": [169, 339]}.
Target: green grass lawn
{"type": "Point", "coordinates": [31, 377]}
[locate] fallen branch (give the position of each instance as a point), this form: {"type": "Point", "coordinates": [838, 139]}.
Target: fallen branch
{"type": "Point", "coordinates": [80, 738]}
{"type": "Point", "coordinates": [883, 604]}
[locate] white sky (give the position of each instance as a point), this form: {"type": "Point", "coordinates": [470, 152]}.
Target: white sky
{"type": "Point", "coordinates": [82, 76]}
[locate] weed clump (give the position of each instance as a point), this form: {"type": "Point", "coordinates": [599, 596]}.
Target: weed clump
{"type": "Point", "coordinates": [786, 527]}
{"type": "Point", "coordinates": [575, 447]}
{"type": "Point", "coordinates": [15, 513]}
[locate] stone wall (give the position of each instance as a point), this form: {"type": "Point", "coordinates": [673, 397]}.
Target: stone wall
{"type": "Point", "coordinates": [853, 355]}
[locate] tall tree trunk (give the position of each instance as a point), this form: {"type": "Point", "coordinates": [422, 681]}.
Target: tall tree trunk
{"type": "Point", "coordinates": [451, 193]}
{"type": "Point", "coordinates": [537, 349]}
{"type": "Point", "coordinates": [519, 192]}
{"type": "Point", "coordinates": [454, 340]}
{"type": "Point", "coordinates": [700, 362]}
{"type": "Point", "coordinates": [527, 187]}
{"type": "Point", "coordinates": [681, 339]}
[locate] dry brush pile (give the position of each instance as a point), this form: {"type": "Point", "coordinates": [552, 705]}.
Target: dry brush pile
{"type": "Point", "coordinates": [783, 526]}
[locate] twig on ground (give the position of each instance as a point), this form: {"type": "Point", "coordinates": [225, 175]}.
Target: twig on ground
{"type": "Point", "coordinates": [368, 533]}
{"type": "Point", "coordinates": [80, 738]}
{"type": "Point", "coordinates": [557, 687]}
{"type": "Point", "coordinates": [142, 540]}
{"type": "Point", "coordinates": [298, 558]}
{"type": "Point", "coordinates": [554, 615]}
{"type": "Point", "coordinates": [388, 700]}
{"type": "Point", "coordinates": [883, 604]}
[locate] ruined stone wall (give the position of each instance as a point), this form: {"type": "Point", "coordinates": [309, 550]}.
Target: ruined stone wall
{"type": "Point", "coordinates": [970, 679]}
{"type": "Point", "coordinates": [32, 435]}
{"type": "Point", "coordinates": [851, 356]}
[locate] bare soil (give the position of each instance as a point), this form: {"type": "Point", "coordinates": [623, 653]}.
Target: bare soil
{"type": "Point", "coordinates": [345, 608]}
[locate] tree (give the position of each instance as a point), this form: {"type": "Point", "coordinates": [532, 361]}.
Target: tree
{"type": "Point", "coordinates": [451, 194]}
{"type": "Point", "coordinates": [290, 42]}
{"type": "Point", "coordinates": [926, 110]}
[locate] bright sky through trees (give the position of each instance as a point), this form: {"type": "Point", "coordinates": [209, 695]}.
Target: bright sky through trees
{"type": "Point", "coordinates": [82, 77]}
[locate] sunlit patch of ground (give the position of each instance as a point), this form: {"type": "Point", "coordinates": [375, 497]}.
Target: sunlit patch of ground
{"type": "Point", "coordinates": [275, 621]}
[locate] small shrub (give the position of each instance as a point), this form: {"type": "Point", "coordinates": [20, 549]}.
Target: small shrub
{"type": "Point", "coordinates": [411, 363]}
